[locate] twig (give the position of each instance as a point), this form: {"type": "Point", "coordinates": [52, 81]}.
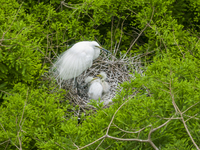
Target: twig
{"type": "Point", "coordinates": [190, 107]}
{"type": "Point", "coordinates": [181, 114]}
{"type": "Point", "coordinates": [177, 44]}
{"type": "Point", "coordinates": [12, 22]}
{"type": "Point", "coordinates": [100, 144]}
{"type": "Point", "coordinates": [4, 142]}
{"type": "Point", "coordinates": [140, 33]}
{"type": "Point", "coordinates": [129, 131]}
{"type": "Point", "coordinates": [92, 142]}
{"type": "Point", "coordinates": [122, 25]}
{"type": "Point", "coordinates": [111, 33]}
{"type": "Point", "coordinates": [114, 116]}
{"type": "Point", "coordinates": [65, 4]}
{"type": "Point", "coordinates": [186, 128]}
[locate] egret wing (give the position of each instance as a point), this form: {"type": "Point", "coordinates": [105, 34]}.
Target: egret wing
{"type": "Point", "coordinates": [73, 62]}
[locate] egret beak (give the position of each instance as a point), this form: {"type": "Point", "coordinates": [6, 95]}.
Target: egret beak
{"type": "Point", "coordinates": [104, 49]}
{"type": "Point", "coordinates": [93, 79]}
{"type": "Point", "coordinates": [99, 75]}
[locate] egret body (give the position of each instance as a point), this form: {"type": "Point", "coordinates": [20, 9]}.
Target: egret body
{"type": "Point", "coordinates": [77, 59]}
{"type": "Point", "coordinates": [95, 88]}
{"type": "Point", "coordinates": [104, 84]}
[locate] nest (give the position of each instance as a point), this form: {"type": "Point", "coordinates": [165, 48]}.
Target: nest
{"type": "Point", "coordinates": [117, 70]}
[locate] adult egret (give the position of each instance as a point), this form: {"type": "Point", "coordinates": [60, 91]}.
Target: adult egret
{"type": "Point", "coordinates": [104, 84]}
{"type": "Point", "coordinates": [95, 88]}
{"type": "Point", "coordinates": [77, 59]}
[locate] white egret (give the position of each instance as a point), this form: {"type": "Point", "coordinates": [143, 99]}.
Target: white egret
{"type": "Point", "coordinates": [104, 84]}
{"type": "Point", "coordinates": [77, 59]}
{"type": "Point", "coordinates": [95, 88]}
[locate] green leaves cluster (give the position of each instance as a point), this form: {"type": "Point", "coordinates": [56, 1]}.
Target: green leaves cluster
{"type": "Point", "coordinates": [32, 118]}
{"type": "Point", "coordinates": [34, 33]}
{"type": "Point", "coordinates": [150, 103]}
{"type": "Point", "coordinates": [20, 60]}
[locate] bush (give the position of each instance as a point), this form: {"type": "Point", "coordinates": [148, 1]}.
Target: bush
{"type": "Point", "coordinates": [166, 100]}
{"type": "Point", "coordinates": [32, 118]}
{"type": "Point", "coordinates": [20, 60]}
{"type": "Point", "coordinates": [156, 110]}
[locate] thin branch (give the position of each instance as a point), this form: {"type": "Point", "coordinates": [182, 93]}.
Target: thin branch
{"type": "Point", "coordinates": [122, 25]}
{"type": "Point", "coordinates": [186, 128]}
{"type": "Point", "coordinates": [92, 142]}
{"type": "Point", "coordinates": [59, 145]}
{"type": "Point", "coordinates": [6, 92]}
{"type": "Point", "coordinates": [65, 4]}
{"type": "Point", "coordinates": [100, 144]}
{"type": "Point", "coordinates": [152, 28]}
{"type": "Point", "coordinates": [4, 142]}
{"type": "Point", "coordinates": [190, 107]}
{"type": "Point", "coordinates": [190, 117]}
{"type": "Point", "coordinates": [23, 109]}
{"type": "Point", "coordinates": [75, 145]}
{"type": "Point", "coordinates": [7, 145]}
{"type": "Point", "coordinates": [12, 22]}
{"type": "Point", "coordinates": [114, 116]}
{"type": "Point", "coordinates": [140, 33]}
{"type": "Point", "coordinates": [129, 131]}
{"type": "Point", "coordinates": [177, 44]}
{"type": "Point", "coordinates": [111, 35]}
{"type": "Point", "coordinates": [2, 127]}
{"type": "Point", "coordinates": [181, 113]}
{"type": "Point", "coordinates": [122, 139]}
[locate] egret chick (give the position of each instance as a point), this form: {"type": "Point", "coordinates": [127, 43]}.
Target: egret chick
{"type": "Point", "coordinates": [95, 88]}
{"type": "Point", "coordinates": [77, 59]}
{"type": "Point", "coordinates": [104, 84]}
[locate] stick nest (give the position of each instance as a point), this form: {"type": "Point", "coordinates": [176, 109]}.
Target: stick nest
{"type": "Point", "coordinates": [117, 70]}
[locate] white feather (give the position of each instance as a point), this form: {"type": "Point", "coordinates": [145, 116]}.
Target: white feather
{"type": "Point", "coordinates": [95, 88]}
{"type": "Point", "coordinates": [76, 59]}
{"type": "Point", "coordinates": [88, 79]}
{"type": "Point", "coordinates": [105, 85]}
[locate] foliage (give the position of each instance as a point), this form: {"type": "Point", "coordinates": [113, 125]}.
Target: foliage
{"type": "Point", "coordinates": [150, 103]}
{"type": "Point", "coordinates": [166, 32]}
{"type": "Point", "coordinates": [20, 61]}
{"type": "Point", "coordinates": [31, 118]}
{"type": "Point", "coordinates": [35, 119]}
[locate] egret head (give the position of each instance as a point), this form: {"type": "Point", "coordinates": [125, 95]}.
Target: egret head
{"type": "Point", "coordinates": [105, 85]}
{"type": "Point", "coordinates": [96, 45]}
{"type": "Point", "coordinates": [102, 75]}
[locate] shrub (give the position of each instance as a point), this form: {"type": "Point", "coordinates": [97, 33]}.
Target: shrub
{"type": "Point", "coordinates": [32, 118]}
{"type": "Point", "coordinates": [166, 100]}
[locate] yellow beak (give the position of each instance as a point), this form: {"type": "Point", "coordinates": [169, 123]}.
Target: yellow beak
{"type": "Point", "coordinates": [104, 49]}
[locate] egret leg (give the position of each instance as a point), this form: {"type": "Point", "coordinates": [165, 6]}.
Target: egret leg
{"type": "Point", "coordinates": [76, 86]}
{"type": "Point", "coordinates": [75, 82]}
